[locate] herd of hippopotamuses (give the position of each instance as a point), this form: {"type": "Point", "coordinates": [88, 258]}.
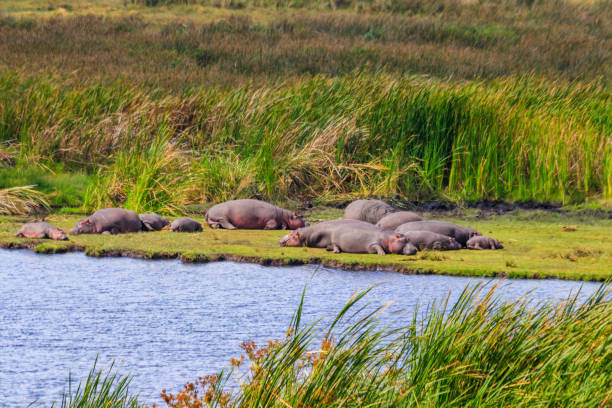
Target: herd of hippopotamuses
{"type": "Point", "coordinates": [368, 226]}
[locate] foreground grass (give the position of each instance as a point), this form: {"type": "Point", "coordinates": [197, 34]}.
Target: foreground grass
{"type": "Point", "coordinates": [478, 351]}
{"type": "Point", "coordinates": [533, 249]}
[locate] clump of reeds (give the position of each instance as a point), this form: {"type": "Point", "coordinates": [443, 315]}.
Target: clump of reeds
{"type": "Point", "coordinates": [23, 200]}
{"type": "Point", "coordinates": [479, 351]}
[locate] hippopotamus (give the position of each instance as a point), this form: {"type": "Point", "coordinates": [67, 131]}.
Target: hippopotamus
{"type": "Point", "coordinates": [153, 222]}
{"type": "Point", "coordinates": [461, 234]}
{"type": "Point", "coordinates": [109, 221]}
{"type": "Point", "coordinates": [354, 239]}
{"type": "Point", "coordinates": [431, 240]}
{"type": "Point", "coordinates": [252, 214]}
{"type": "Point", "coordinates": [368, 210]}
{"type": "Point", "coordinates": [185, 224]}
{"type": "Point", "coordinates": [395, 219]}
{"type": "Point", "coordinates": [319, 235]}
{"type": "Point", "coordinates": [41, 230]}
{"type": "Point", "coordinates": [483, 242]}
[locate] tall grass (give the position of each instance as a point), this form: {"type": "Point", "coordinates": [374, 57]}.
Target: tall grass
{"type": "Point", "coordinates": [24, 200]}
{"type": "Point", "coordinates": [479, 351]}
{"type": "Point", "coordinates": [359, 135]}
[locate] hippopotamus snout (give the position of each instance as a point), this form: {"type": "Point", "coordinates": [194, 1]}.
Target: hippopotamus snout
{"type": "Point", "coordinates": [58, 234]}
{"type": "Point", "coordinates": [292, 239]}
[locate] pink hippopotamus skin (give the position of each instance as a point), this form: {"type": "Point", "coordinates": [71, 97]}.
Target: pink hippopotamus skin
{"type": "Point", "coordinates": [109, 221]}
{"type": "Point", "coordinates": [41, 230]}
{"type": "Point", "coordinates": [368, 210]}
{"type": "Point", "coordinates": [252, 214]}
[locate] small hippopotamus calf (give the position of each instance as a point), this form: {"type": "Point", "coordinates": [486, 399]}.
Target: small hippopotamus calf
{"type": "Point", "coordinates": [252, 214]}
{"type": "Point", "coordinates": [348, 238]}
{"type": "Point", "coordinates": [431, 240]}
{"type": "Point", "coordinates": [153, 222]}
{"type": "Point", "coordinates": [41, 230]}
{"type": "Point", "coordinates": [319, 235]}
{"type": "Point", "coordinates": [185, 224]}
{"type": "Point", "coordinates": [394, 220]}
{"type": "Point", "coordinates": [483, 242]}
{"type": "Point", "coordinates": [109, 221]}
{"type": "Point", "coordinates": [368, 210]}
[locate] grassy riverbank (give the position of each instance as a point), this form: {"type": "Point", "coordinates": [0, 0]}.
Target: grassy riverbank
{"type": "Point", "coordinates": [552, 355]}
{"type": "Point", "coordinates": [535, 247]}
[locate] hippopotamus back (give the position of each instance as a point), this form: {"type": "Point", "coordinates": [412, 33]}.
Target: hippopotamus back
{"type": "Point", "coordinates": [431, 240]}
{"type": "Point", "coordinates": [153, 222]}
{"type": "Point", "coordinates": [109, 221]}
{"type": "Point", "coordinates": [185, 224]}
{"type": "Point", "coordinates": [393, 220]}
{"type": "Point", "coordinates": [461, 234]}
{"type": "Point", "coordinates": [252, 214]}
{"type": "Point", "coordinates": [41, 230]}
{"type": "Point", "coordinates": [368, 210]}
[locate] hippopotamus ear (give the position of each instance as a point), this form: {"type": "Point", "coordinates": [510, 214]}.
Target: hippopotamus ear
{"type": "Point", "coordinates": [294, 215]}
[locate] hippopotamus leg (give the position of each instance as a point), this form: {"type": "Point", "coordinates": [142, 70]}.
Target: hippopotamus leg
{"type": "Point", "coordinates": [376, 249]}
{"type": "Point", "coordinates": [272, 225]}
{"type": "Point", "coordinates": [222, 222]}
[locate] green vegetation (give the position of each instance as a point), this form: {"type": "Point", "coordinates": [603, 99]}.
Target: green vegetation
{"type": "Point", "coordinates": [552, 355]}
{"type": "Point", "coordinates": [533, 248]}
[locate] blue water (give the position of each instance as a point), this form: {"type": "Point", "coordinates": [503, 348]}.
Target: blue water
{"type": "Point", "coordinates": [167, 323]}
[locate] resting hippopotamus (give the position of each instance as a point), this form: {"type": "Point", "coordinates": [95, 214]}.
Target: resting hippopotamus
{"type": "Point", "coordinates": [395, 219]}
{"type": "Point", "coordinates": [153, 222]}
{"type": "Point", "coordinates": [483, 242]}
{"type": "Point", "coordinates": [252, 214]}
{"type": "Point", "coordinates": [431, 240]}
{"type": "Point", "coordinates": [319, 235]}
{"type": "Point", "coordinates": [368, 210]}
{"type": "Point", "coordinates": [185, 224]}
{"type": "Point", "coordinates": [109, 221]}
{"type": "Point", "coordinates": [461, 234]}
{"type": "Point", "coordinates": [41, 230]}
{"type": "Point", "coordinates": [355, 239]}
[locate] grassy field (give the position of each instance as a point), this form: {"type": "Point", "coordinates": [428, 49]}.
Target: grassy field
{"type": "Point", "coordinates": [520, 360]}
{"type": "Point", "coordinates": [536, 246]}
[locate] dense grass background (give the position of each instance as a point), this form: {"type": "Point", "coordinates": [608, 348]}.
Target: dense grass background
{"type": "Point", "coordinates": [156, 105]}
{"type": "Point", "coordinates": [478, 351]}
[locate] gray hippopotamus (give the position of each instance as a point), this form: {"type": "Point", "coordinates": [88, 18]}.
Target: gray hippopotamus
{"type": "Point", "coordinates": [395, 219]}
{"type": "Point", "coordinates": [319, 235]}
{"type": "Point", "coordinates": [109, 221]}
{"type": "Point", "coordinates": [483, 242]}
{"type": "Point", "coordinates": [368, 210]}
{"type": "Point", "coordinates": [185, 224]}
{"type": "Point", "coordinates": [252, 214]}
{"type": "Point", "coordinates": [461, 234]}
{"type": "Point", "coordinates": [431, 240]}
{"type": "Point", "coordinates": [41, 230]}
{"type": "Point", "coordinates": [354, 239]}
{"type": "Point", "coordinates": [153, 222]}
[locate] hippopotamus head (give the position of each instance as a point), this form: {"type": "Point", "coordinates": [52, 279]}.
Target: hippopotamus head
{"type": "Point", "coordinates": [57, 234]}
{"type": "Point", "coordinates": [295, 221]}
{"type": "Point", "coordinates": [397, 243]}
{"type": "Point", "coordinates": [292, 239]}
{"type": "Point", "coordinates": [85, 226]}
{"type": "Point", "coordinates": [449, 244]}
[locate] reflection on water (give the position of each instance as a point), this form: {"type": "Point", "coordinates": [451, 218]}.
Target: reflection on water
{"type": "Point", "coordinates": [167, 323]}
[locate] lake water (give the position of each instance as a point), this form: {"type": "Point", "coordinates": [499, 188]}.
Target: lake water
{"type": "Point", "coordinates": [167, 323]}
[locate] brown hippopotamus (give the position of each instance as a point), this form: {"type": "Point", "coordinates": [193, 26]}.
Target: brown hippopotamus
{"type": "Point", "coordinates": [41, 230]}
{"type": "Point", "coordinates": [355, 239]}
{"type": "Point", "coordinates": [461, 234]}
{"type": "Point", "coordinates": [368, 210]}
{"type": "Point", "coordinates": [153, 222]}
{"type": "Point", "coordinates": [431, 240]}
{"type": "Point", "coordinates": [252, 214]}
{"type": "Point", "coordinates": [395, 219]}
{"type": "Point", "coordinates": [318, 235]}
{"type": "Point", "coordinates": [109, 221]}
{"type": "Point", "coordinates": [185, 224]}
{"type": "Point", "coordinates": [483, 242]}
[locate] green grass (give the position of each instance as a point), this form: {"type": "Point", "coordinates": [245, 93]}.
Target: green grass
{"type": "Point", "coordinates": [478, 351]}
{"type": "Point", "coordinates": [533, 248]}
